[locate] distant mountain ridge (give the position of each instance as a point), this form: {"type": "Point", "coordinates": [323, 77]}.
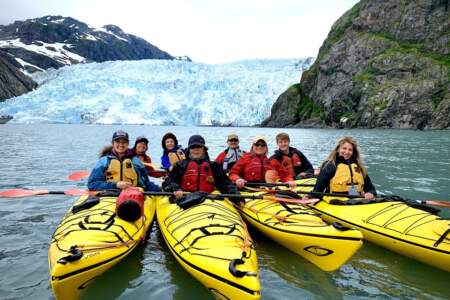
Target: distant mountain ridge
{"type": "Point", "coordinates": [56, 41]}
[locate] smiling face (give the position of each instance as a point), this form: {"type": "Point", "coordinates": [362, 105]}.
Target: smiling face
{"type": "Point", "coordinates": [141, 148]}
{"type": "Point", "coordinates": [170, 144]}
{"type": "Point", "coordinates": [346, 150]}
{"type": "Point", "coordinates": [233, 143]}
{"type": "Point", "coordinates": [260, 147]}
{"type": "Point", "coordinates": [283, 144]}
{"type": "Point", "coordinates": [120, 146]}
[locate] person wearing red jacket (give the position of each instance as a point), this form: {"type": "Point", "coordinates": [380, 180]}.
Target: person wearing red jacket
{"type": "Point", "coordinates": [255, 166]}
{"type": "Point", "coordinates": [231, 155]}
{"type": "Point", "coordinates": [197, 172]}
{"type": "Point", "coordinates": [292, 159]}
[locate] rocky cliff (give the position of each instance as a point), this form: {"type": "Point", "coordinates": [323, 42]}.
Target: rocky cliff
{"type": "Point", "coordinates": [385, 63]}
{"type": "Point", "coordinates": [12, 81]}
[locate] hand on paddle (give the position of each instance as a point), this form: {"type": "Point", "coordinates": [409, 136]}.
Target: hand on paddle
{"type": "Point", "coordinates": [292, 184]}
{"type": "Point", "coordinates": [240, 183]}
{"type": "Point", "coordinates": [368, 196]}
{"type": "Point", "coordinates": [178, 194]}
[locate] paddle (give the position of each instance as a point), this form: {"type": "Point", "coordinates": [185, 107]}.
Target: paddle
{"type": "Point", "coordinates": [240, 197]}
{"type": "Point", "coordinates": [425, 202]}
{"type": "Point", "coordinates": [275, 184]}
{"type": "Point", "coordinates": [17, 193]}
{"type": "Point", "coordinates": [80, 175]}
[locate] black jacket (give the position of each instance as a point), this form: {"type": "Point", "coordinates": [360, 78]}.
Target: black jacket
{"type": "Point", "coordinates": [221, 180]}
{"type": "Point", "coordinates": [329, 170]}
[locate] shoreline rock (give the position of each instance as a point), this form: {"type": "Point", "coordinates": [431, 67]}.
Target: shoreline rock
{"type": "Point", "coordinates": [384, 64]}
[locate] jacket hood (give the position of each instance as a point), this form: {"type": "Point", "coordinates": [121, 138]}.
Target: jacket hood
{"type": "Point", "coordinates": [169, 135]}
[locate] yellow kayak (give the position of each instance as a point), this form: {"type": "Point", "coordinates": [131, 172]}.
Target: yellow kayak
{"type": "Point", "coordinates": [211, 242]}
{"type": "Point", "coordinates": [90, 240]}
{"type": "Point", "coordinates": [396, 226]}
{"type": "Point", "coordinates": [302, 231]}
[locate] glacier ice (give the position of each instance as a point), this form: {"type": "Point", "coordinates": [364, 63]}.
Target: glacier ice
{"type": "Point", "coordinates": [157, 92]}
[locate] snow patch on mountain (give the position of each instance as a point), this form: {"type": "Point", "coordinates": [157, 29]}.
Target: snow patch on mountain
{"type": "Point", "coordinates": [110, 33]}
{"type": "Point", "coordinates": [157, 92]}
{"type": "Point", "coordinates": [56, 51]}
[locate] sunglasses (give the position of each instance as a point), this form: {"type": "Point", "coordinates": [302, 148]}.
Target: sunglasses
{"type": "Point", "coordinates": [260, 144]}
{"type": "Point", "coordinates": [196, 147]}
{"type": "Point", "coordinates": [234, 140]}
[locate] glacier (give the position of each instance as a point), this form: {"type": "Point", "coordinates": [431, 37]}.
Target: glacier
{"type": "Point", "coordinates": [157, 92]}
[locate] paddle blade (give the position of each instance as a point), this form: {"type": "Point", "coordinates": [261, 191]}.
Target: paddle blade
{"type": "Point", "coordinates": [17, 193]}
{"type": "Point", "coordinates": [438, 203]}
{"type": "Point", "coordinates": [79, 175]}
{"type": "Point", "coordinates": [79, 192]}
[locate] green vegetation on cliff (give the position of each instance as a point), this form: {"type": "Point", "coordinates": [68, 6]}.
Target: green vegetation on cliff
{"type": "Point", "coordinates": [306, 108]}
{"type": "Point", "coordinates": [385, 63]}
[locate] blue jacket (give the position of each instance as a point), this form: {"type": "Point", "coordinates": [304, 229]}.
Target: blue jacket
{"type": "Point", "coordinates": [97, 180]}
{"type": "Point", "coordinates": [165, 162]}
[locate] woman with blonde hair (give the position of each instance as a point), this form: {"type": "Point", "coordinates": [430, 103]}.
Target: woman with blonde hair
{"type": "Point", "coordinates": [344, 172]}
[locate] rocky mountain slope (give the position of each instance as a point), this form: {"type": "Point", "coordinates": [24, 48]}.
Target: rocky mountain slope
{"type": "Point", "coordinates": [54, 41]}
{"type": "Point", "coordinates": [385, 63]}
{"type": "Point", "coordinates": [12, 81]}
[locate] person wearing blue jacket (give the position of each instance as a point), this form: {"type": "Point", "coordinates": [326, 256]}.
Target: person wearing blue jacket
{"type": "Point", "coordinates": [172, 152]}
{"type": "Point", "coordinates": [119, 168]}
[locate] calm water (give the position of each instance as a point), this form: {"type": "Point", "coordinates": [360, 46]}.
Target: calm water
{"type": "Point", "coordinates": [410, 163]}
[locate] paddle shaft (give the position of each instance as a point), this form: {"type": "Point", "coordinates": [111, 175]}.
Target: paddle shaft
{"type": "Point", "coordinates": [241, 197]}
{"type": "Point", "coordinates": [426, 202]}
{"type": "Point", "coordinates": [273, 184]}
{"type": "Point", "coordinates": [212, 196]}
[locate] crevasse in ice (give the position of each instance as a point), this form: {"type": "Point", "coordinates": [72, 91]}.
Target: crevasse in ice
{"type": "Point", "coordinates": [157, 92]}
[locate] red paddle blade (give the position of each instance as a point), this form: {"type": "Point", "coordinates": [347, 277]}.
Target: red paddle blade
{"type": "Point", "coordinates": [79, 192]}
{"type": "Point", "coordinates": [79, 175]}
{"type": "Point", "coordinates": [17, 193]}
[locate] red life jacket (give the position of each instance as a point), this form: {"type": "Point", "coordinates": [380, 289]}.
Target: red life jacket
{"type": "Point", "coordinates": [290, 163]}
{"type": "Point", "coordinates": [198, 177]}
{"type": "Point", "coordinates": [256, 168]}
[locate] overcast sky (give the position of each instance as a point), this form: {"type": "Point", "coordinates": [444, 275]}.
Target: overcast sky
{"type": "Point", "coordinates": [212, 31]}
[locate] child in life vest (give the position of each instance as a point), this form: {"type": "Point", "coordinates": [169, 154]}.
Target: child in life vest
{"type": "Point", "coordinates": [292, 159]}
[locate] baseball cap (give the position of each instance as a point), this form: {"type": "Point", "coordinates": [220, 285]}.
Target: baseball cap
{"type": "Point", "coordinates": [120, 135]}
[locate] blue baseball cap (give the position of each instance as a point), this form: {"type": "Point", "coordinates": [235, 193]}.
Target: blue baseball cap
{"type": "Point", "coordinates": [120, 135]}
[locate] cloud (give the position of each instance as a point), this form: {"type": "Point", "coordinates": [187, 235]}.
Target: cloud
{"type": "Point", "coordinates": [208, 31]}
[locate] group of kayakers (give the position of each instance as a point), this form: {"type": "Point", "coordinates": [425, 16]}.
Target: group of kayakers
{"type": "Point", "coordinates": [191, 169]}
